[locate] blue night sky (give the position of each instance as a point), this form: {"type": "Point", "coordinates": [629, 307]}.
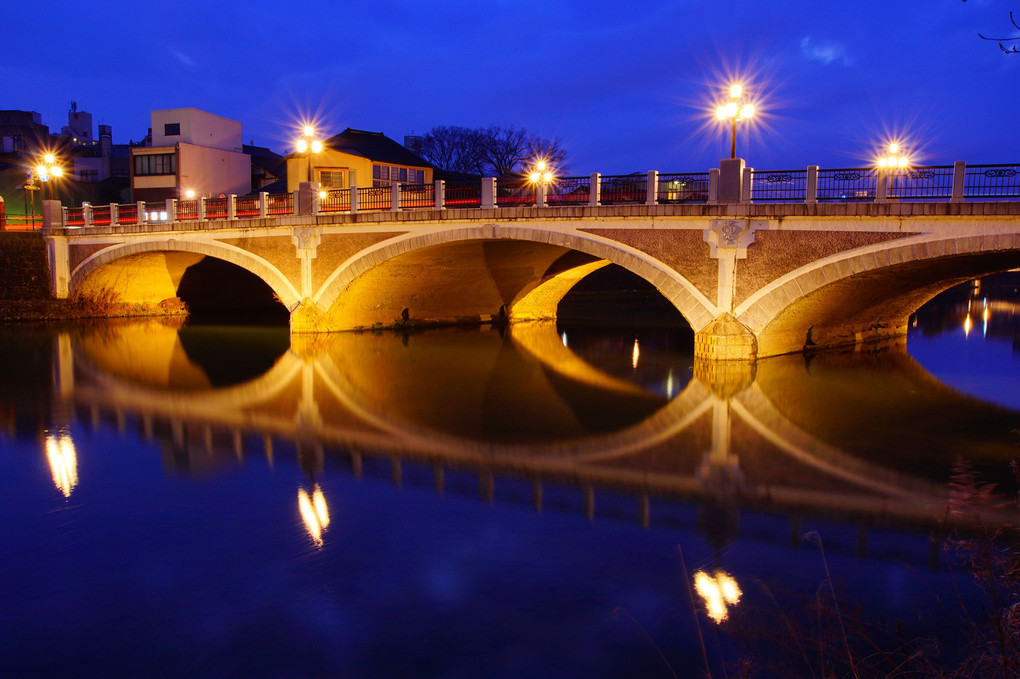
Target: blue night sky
{"type": "Point", "coordinates": [624, 86]}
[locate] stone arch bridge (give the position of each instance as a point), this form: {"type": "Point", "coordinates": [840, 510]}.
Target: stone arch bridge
{"type": "Point", "coordinates": [753, 280]}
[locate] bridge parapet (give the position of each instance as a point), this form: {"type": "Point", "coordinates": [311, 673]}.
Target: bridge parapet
{"type": "Point", "coordinates": [952, 183]}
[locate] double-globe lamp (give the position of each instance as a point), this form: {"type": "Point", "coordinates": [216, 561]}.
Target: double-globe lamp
{"type": "Point", "coordinates": [733, 110]}
{"type": "Point", "coordinates": [47, 169]}
{"type": "Point", "coordinates": [308, 145]}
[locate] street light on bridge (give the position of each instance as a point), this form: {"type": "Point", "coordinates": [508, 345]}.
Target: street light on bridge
{"type": "Point", "coordinates": [541, 176]}
{"type": "Point", "coordinates": [733, 110]}
{"type": "Point", "coordinates": [895, 160]}
{"type": "Point", "coordinates": [47, 170]}
{"type": "Point", "coordinates": [309, 145]}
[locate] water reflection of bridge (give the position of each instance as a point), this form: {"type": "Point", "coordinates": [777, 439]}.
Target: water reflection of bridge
{"type": "Point", "coordinates": [798, 437]}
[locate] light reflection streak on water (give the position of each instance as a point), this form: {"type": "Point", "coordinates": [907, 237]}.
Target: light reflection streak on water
{"type": "Point", "coordinates": [718, 592]}
{"type": "Point", "coordinates": [635, 354]}
{"type": "Point", "coordinates": [63, 460]}
{"type": "Point", "coordinates": [314, 513]}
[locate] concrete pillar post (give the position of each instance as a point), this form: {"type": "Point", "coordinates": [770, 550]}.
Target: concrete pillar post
{"type": "Point", "coordinates": [745, 185]}
{"type": "Point", "coordinates": [882, 187]}
{"type": "Point", "coordinates": [488, 193]}
{"type": "Point", "coordinates": [439, 194]}
{"type": "Point", "coordinates": [308, 200]}
{"type": "Point", "coordinates": [263, 204]}
{"type": "Point", "coordinates": [171, 209]}
{"type": "Point", "coordinates": [53, 218]}
{"type": "Point", "coordinates": [540, 197]}
{"type": "Point", "coordinates": [731, 177]}
{"type": "Point", "coordinates": [395, 197]}
{"type": "Point", "coordinates": [200, 208]}
{"type": "Point", "coordinates": [959, 176]}
{"type": "Point", "coordinates": [86, 214]}
{"type": "Point", "coordinates": [355, 199]}
{"type": "Point", "coordinates": [140, 212]}
{"type": "Point", "coordinates": [114, 214]}
{"type": "Point", "coordinates": [652, 187]}
{"type": "Point", "coordinates": [811, 189]}
{"type": "Point", "coordinates": [713, 186]}
{"type": "Point", "coordinates": [232, 206]}
{"type": "Point", "coordinates": [595, 189]}
{"type": "Point", "coordinates": [295, 200]}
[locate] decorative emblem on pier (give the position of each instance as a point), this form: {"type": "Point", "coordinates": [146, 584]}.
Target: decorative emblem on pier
{"type": "Point", "coordinates": [729, 231]}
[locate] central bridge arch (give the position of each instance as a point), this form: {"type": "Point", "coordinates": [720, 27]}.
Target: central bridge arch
{"type": "Point", "coordinates": [479, 274]}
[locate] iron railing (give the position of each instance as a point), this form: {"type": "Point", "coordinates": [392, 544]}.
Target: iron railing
{"type": "Point", "coordinates": [463, 195]}
{"type": "Point", "coordinates": [991, 181]}
{"type": "Point", "coordinates": [514, 192]}
{"type": "Point", "coordinates": [849, 184]}
{"type": "Point", "coordinates": [215, 208]}
{"type": "Point", "coordinates": [247, 206]}
{"type": "Point", "coordinates": [375, 198]}
{"type": "Point", "coordinates": [690, 187]}
{"type": "Point", "coordinates": [569, 191]}
{"type": "Point", "coordinates": [628, 188]}
{"type": "Point", "coordinates": [417, 196]}
{"type": "Point", "coordinates": [336, 200]}
{"type": "Point", "coordinates": [187, 209]}
{"type": "Point", "coordinates": [127, 213]}
{"type": "Point", "coordinates": [280, 204]}
{"type": "Point", "coordinates": [921, 182]}
{"type": "Point", "coordinates": [778, 186]}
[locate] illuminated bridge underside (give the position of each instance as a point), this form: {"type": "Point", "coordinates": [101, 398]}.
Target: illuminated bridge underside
{"type": "Point", "coordinates": [752, 281]}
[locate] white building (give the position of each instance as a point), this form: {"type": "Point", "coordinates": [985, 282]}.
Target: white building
{"type": "Point", "coordinates": [191, 151]}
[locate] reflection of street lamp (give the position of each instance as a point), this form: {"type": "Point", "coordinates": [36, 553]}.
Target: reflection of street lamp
{"type": "Point", "coordinates": [47, 169]}
{"type": "Point", "coordinates": [314, 513]}
{"type": "Point", "coordinates": [308, 146]}
{"type": "Point", "coordinates": [718, 591]}
{"type": "Point", "coordinates": [63, 459]}
{"type": "Point", "coordinates": [734, 111]}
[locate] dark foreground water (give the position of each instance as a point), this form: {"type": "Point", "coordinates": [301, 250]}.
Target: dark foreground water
{"type": "Point", "coordinates": [542, 502]}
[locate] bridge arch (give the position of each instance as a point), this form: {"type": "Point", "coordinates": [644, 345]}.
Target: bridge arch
{"type": "Point", "coordinates": [870, 292]}
{"type": "Point", "coordinates": [523, 295]}
{"type": "Point", "coordinates": [254, 264]}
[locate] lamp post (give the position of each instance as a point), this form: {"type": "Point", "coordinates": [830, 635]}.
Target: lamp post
{"type": "Point", "coordinates": [309, 145]}
{"type": "Point", "coordinates": [891, 162]}
{"type": "Point", "coordinates": [48, 169]}
{"type": "Point", "coordinates": [733, 110]}
{"type": "Point", "coordinates": [541, 176]}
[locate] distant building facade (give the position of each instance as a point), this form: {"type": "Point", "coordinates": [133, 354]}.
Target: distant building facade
{"type": "Point", "coordinates": [359, 158]}
{"type": "Point", "coordinates": [191, 153]}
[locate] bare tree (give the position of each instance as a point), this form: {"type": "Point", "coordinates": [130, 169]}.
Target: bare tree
{"type": "Point", "coordinates": [455, 149]}
{"type": "Point", "coordinates": [494, 151]}
{"type": "Point", "coordinates": [1004, 43]}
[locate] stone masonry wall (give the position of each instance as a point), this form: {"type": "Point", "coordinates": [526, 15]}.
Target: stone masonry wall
{"type": "Point", "coordinates": [24, 271]}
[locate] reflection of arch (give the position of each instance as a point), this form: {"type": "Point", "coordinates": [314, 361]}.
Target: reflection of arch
{"type": "Point", "coordinates": [260, 267]}
{"type": "Point", "coordinates": [846, 296]}
{"type": "Point", "coordinates": [680, 292]}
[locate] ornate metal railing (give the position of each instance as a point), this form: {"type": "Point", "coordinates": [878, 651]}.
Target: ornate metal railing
{"type": "Point", "coordinates": [949, 182]}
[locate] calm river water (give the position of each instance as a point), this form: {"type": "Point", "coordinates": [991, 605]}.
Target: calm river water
{"type": "Point", "coordinates": [545, 501]}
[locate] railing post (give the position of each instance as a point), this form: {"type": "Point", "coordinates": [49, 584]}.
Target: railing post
{"type": "Point", "coordinates": [200, 216]}
{"type": "Point", "coordinates": [731, 175]}
{"type": "Point", "coordinates": [882, 187]}
{"type": "Point", "coordinates": [488, 193]}
{"type": "Point", "coordinates": [171, 209]}
{"type": "Point", "coordinates": [652, 187]}
{"type": "Point", "coordinates": [395, 197]}
{"type": "Point", "coordinates": [296, 202]}
{"type": "Point", "coordinates": [595, 189]}
{"type": "Point", "coordinates": [811, 189]}
{"type": "Point", "coordinates": [232, 206]}
{"type": "Point", "coordinates": [713, 186]}
{"type": "Point", "coordinates": [86, 214]}
{"type": "Point", "coordinates": [63, 217]}
{"type": "Point", "coordinates": [114, 214]}
{"type": "Point", "coordinates": [959, 177]}
{"type": "Point", "coordinates": [355, 199]}
{"type": "Point", "coordinates": [263, 204]}
{"type": "Point", "coordinates": [540, 194]}
{"type": "Point", "coordinates": [440, 194]}
{"type": "Point", "coordinates": [745, 189]}
{"type": "Point", "coordinates": [140, 215]}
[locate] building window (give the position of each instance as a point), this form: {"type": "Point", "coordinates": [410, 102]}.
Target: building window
{"type": "Point", "coordinates": [384, 175]}
{"type": "Point", "coordinates": [89, 175]}
{"type": "Point", "coordinates": [331, 179]}
{"type": "Point", "coordinates": [171, 129]}
{"type": "Point", "coordinates": [155, 164]}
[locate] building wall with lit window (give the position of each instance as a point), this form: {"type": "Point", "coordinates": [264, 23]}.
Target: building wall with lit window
{"type": "Point", "coordinates": [359, 158]}
{"type": "Point", "coordinates": [191, 151]}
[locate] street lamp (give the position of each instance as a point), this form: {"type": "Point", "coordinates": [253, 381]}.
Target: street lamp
{"type": "Point", "coordinates": [308, 146]}
{"type": "Point", "coordinates": [48, 169]}
{"type": "Point", "coordinates": [735, 112]}
{"type": "Point", "coordinates": [541, 176]}
{"type": "Point", "coordinates": [895, 160]}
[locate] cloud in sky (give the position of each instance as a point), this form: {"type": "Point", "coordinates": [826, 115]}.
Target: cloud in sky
{"type": "Point", "coordinates": [825, 51]}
